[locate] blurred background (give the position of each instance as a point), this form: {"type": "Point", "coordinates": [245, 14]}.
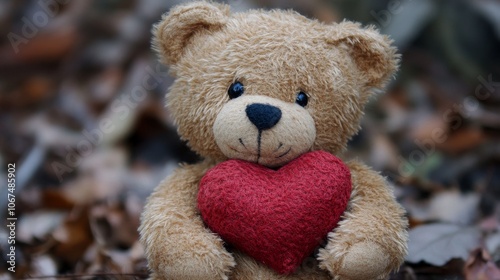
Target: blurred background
{"type": "Point", "coordinates": [89, 143]}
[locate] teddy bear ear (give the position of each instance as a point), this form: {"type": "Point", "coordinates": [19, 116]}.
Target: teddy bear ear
{"type": "Point", "coordinates": [372, 52]}
{"type": "Point", "coordinates": [177, 27]}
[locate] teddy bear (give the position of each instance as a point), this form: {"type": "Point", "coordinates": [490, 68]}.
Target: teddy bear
{"type": "Point", "coordinates": [260, 91]}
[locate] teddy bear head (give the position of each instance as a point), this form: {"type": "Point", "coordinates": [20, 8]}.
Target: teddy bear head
{"type": "Point", "coordinates": [268, 86]}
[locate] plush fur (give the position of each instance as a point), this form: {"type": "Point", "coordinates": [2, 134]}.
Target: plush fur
{"type": "Point", "coordinates": [275, 55]}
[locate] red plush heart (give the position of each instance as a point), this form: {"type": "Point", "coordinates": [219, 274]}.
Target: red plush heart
{"type": "Point", "coordinates": [276, 216]}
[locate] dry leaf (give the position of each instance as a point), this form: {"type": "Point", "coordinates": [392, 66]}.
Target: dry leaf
{"type": "Point", "coordinates": [102, 176]}
{"type": "Point", "coordinates": [436, 244]}
{"type": "Point", "coordinates": [43, 266]}
{"type": "Point", "coordinates": [480, 267]}
{"type": "Point", "coordinates": [55, 199]}
{"type": "Point", "coordinates": [454, 207]}
{"type": "Point", "coordinates": [492, 244]}
{"type": "Point", "coordinates": [38, 225]}
{"type": "Point", "coordinates": [445, 206]}
{"type": "Point", "coordinates": [42, 46]}
{"type": "Point", "coordinates": [463, 140]}
{"type": "Point", "coordinates": [113, 226]}
{"type": "Point", "coordinates": [73, 237]}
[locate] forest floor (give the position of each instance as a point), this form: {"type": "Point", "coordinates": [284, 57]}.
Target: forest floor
{"type": "Point", "coordinates": [63, 76]}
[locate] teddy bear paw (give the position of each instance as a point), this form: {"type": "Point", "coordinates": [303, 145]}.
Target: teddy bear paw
{"type": "Point", "coordinates": [214, 265]}
{"type": "Point", "coordinates": [365, 260]}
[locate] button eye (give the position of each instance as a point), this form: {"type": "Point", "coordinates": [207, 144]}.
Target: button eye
{"type": "Point", "coordinates": [302, 99]}
{"type": "Point", "coordinates": [235, 90]}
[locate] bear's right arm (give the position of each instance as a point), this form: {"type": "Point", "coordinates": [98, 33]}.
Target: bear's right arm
{"type": "Point", "coordinates": [177, 243]}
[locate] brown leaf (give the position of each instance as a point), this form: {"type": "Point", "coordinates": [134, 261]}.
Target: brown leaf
{"type": "Point", "coordinates": [31, 92]}
{"type": "Point", "coordinates": [73, 237]}
{"type": "Point", "coordinates": [480, 267]}
{"type": "Point", "coordinates": [45, 46]}
{"type": "Point", "coordinates": [114, 226]}
{"type": "Point", "coordinates": [98, 260]}
{"type": "Point", "coordinates": [55, 199]}
{"type": "Point", "coordinates": [463, 140]}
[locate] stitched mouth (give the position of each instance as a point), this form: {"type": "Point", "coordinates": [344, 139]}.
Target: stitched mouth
{"type": "Point", "coordinates": [247, 153]}
{"type": "Point", "coordinates": [240, 152]}
{"type": "Point", "coordinates": [243, 144]}
{"type": "Point", "coordinates": [279, 146]}
{"type": "Point", "coordinates": [285, 153]}
{"type": "Point", "coordinates": [234, 149]}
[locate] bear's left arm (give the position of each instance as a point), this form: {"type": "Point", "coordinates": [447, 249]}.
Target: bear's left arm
{"type": "Point", "coordinates": [371, 239]}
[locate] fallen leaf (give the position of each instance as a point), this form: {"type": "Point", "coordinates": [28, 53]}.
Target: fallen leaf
{"type": "Point", "coordinates": [73, 237]}
{"type": "Point", "coordinates": [105, 85]}
{"type": "Point", "coordinates": [42, 47]}
{"type": "Point", "coordinates": [480, 267]}
{"type": "Point", "coordinates": [384, 153]}
{"type": "Point", "coordinates": [102, 176]}
{"type": "Point", "coordinates": [492, 244]}
{"type": "Point", "coordinates": [450, 206]}
{"type": "Point", "coordinates": [38, 225]}
{"type": "Point", "coordinates": [463, 140]}
{"type": "Point", "coordinates": [454, 207]}
{"type": "Point", "coordinates": [43, 266]}
{"type": "Point", "coordinates": [113, 226]}
{"type": "Point", "coordinates": [55, 199]}
{"type": "Point", "coordinates": [438, 243]}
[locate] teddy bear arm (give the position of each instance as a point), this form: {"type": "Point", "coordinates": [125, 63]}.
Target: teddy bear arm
{"type": "Point", "coordinates": [177, 244]}
{"type": "Point", "coordinates": [371, 240]}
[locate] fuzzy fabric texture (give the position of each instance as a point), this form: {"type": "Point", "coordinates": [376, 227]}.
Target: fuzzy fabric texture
{"type": "Point", "coordinates": [275, 55]}
{"type": "Point", "coordinates": [276, 216]}
{"type": "Point", "coordinates": [238, 137]}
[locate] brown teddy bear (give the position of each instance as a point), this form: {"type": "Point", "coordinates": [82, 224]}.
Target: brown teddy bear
{"type": "Point", "coordinates": [262, 91]}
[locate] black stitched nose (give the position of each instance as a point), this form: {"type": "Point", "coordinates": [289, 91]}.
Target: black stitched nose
{"type": "Point", "coordinates": [263, 116]}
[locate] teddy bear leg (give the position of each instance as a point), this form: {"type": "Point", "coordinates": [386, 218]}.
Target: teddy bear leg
{"type": "Point", "coordinates": [371, 240]}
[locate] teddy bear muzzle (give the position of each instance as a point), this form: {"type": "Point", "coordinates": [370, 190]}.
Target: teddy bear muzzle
{"type": "Point", "coordinates": [264, 130]}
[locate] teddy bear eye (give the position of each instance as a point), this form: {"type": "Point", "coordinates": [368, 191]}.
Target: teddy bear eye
{"type": "Point", "coordinates": [301, 99]}
{"type": "Point", "coordinates": [235, 90]}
